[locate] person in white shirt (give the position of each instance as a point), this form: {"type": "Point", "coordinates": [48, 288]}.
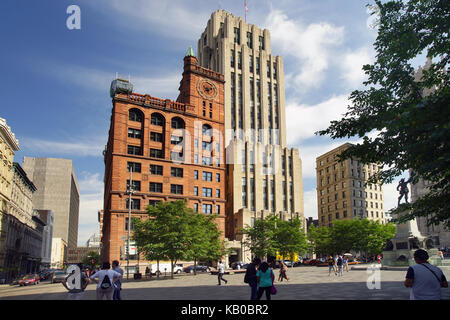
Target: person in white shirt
{"type": "Point", "coordinates": [424, 279]}
{"type": "Point", "coordinates": [221, 268]}
{"type": "Point", "coordinates": [105, 288]}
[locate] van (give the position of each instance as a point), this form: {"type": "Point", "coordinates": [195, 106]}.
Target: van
{"type": "Point", "coordinates": [166, 267]}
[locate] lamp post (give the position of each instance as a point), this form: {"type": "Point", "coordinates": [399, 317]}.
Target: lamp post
{"type": "Point", "coordinates": [130, 191]}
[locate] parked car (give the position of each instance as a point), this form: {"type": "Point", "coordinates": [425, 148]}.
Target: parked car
{"type": "Point", "coordinates": [234, 265]}
{"type": "Point", "coordinates": [199, 268]}
{"type": "Point", "coordinates": [353, 261]}
{"type": "Point", "coordinates": [45, 274]}
{"type": "Point", "coordinates": [59, 276]}
{"type": "Point", "coordinates": [32, 278]}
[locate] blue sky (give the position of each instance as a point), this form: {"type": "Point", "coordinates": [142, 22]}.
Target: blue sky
{"type": "Point", "coordinates": [55, 81]}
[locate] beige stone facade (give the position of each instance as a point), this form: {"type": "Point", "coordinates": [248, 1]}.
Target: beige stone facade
{"type": "Point", "coordinates": [264, 176]}
{"type": "Point", "coordinates": [342, 192]}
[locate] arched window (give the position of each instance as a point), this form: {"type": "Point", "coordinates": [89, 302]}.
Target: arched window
{"type": "Point", "coordinates": [207, 130]}
{"type": "Point", "coordinates": [177, 123]}
{"type": "Point", "coordinates": [135, 115]}
{"type": "Point", "coordinates": [157, 119]}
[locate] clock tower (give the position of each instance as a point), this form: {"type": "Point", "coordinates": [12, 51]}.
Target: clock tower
{"type": "Point", "coordinates": [202, 88]}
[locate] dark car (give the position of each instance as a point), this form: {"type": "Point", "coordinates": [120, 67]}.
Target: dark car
{"type": "Point", "coordinates": [32, 278]}
{"type": "Point", "coordinates": [45, 274]}
{"type": "Point", "coordinates": [198, 268]}
{"type": "Point", "coordinates": [241, 265]}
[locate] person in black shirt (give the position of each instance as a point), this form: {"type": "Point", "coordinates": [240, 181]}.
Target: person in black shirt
{"type": "Point", "coordinates": [250, 277]}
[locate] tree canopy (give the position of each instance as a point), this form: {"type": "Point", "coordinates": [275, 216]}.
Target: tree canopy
{"type": "Point", "coordinates": [408, 113]}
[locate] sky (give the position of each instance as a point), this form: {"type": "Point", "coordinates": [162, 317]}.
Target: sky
{"type": "Point", "coordinates": [55, 80]}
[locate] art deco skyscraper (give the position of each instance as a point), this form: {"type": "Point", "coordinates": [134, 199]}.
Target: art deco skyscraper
{"type": "Point", "coordinates": [264, 176]}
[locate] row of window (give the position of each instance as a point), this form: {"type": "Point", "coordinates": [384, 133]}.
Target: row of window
{"type": "Point", "coordinates": [344, 214]}
{"type": "Point", "coordinates": [136, 205]}
{"type": "Point", "coordinates": [237, 39]}
{"type": "Point", "coordinates": [174, 171]}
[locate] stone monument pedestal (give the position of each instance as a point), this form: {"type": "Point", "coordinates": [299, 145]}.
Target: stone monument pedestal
{"type": "Point", "coordinates": [400, 250]}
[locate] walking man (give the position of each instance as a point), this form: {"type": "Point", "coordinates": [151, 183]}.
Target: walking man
{"type": "Point", "coordinates": [424, 279]}
{"type": "Point", "coordinates": [118, 283]}
{"type": "Point", "coordinates": [221, 268]}
{"type": "Point", "coordinates": [283, 271]}
{"type": "Point", "coordinates": [251, 279]}
{"type": "Point", "coordinates": [331, 265]}
{"type": "Point", "coordinates": [339, 263]}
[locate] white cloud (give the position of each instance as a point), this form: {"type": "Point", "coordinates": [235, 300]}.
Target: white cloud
{"type": "Point", "coordinates": [91, 201]}
{"type": "Point", "coordinates": [79, 148]}
{"type": "Point", "coordinates": [313, 46]}
{"type": "Point", "coordinates": [302, 121]}
{"type": "Point", "coordinates": [351, 66]}
{"type": "Point", "coordinates": [310, 203]}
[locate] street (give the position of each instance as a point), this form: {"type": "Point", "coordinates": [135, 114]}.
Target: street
{"type": "Point", "coordinates": [305, 283]}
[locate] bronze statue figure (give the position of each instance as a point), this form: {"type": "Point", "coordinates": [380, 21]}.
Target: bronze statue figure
{"type": "Point", "coordinates": [403, 188]}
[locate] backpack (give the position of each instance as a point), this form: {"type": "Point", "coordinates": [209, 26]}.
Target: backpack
{"type": "Point", "coordinates": [106, 283]}
{"type": "Point", "coordinates": [339, 262]}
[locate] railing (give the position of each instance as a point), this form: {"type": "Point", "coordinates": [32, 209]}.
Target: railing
{"type": "Point", "coordinates": [167, 104]}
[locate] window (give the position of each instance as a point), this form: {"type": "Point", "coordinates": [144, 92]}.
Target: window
{"type": "Point", "coordinates": [257, 65]}
{"type": "Point", "coordinates": [176, 140]}
{"type": "Point", "coordinates": [177, 123]}
{"type": "Point", "coordinates": [207, 192]}
{"type": "Point", "coordinates": [135, 204]}
{"type": "Point", "coordinates": [196, 207]}
{"type": "Point", "coordinates": [217, 193]}
{"type": "Point", "coordinates": [134, 166]}
{"type": "Point", "coordinates": [176, 189]}
{"type": "Point", "coordinates": [195, 158]}
{"type": "Point", "coordinates": [207, 176]}
{"type": "Point", "coordinates": [217, 177]}
{"type": "Point", "coordinates": [261, 43]}
{"type": "Point", "coordinates": [155, 136]}
{"type": "Point", "coordinates": [195, 191]}
{"type": "Point", "coordinates": [250, 40]}
{"type": "Point", "coordinates": [135, 184]}
{"type": "Point", "coordinates": [157, 119]}
{"type": "Point", "coordinates": [250, 65]}
{"type": "Point", "coordinates": [206, 161]}
{"type": "Point", "coordinates": [176, 172]}
{"type": "Point", "coordinates": [177, 156]}
{"type": "Point", "coordinates": [207, 208]}
{"type": "Point", "coordinates": [232, 58]}
{"type": "Point", "coordinates": [135, 115]}
{"type": "Point", "coordinates": [207, 130]}
{"type": "Point", "coordinates": [207, 146]}
{"type": "Point", "coordinates": [154, 203]}
{"type": "Point", "coordinates": [156, 153]}
{"type": "Point", "coordinates": [128, 222]}
{"type": "Point", "coordinates": [155, 169]}
{"type": "Point", "coordinates": [135, 150]}
{"type": "Point", "coordinates": [217, 209]}
{"type": "Point", "coordinates": [155, 187]}
{"type": "Point", "coordinates": [196, 174]}
{"type": "Point", "coordinates": [237, 35]}
{"type": "Point", "coordinates": [134, 133]}
{"type": "Point", "coordinates": [239, 60]}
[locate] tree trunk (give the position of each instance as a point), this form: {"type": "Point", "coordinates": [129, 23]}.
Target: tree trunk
{"type": "Point", "coordinates": [172, 264]}
{"type": "Point", "coordinates": [157, 268]}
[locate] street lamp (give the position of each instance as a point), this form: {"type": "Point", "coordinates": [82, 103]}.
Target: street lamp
{"type": "Point", "coordinates": [130, 191]}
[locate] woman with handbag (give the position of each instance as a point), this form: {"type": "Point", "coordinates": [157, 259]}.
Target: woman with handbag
{"type": "Point", "coordinates": [265, 278]}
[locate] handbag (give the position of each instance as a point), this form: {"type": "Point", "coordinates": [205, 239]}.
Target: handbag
{"type": "Point", "coordinates": [273, 290]}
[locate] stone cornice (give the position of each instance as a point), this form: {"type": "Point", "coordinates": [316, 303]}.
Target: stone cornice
{"type": "Point", "coordinates": [9, 135]}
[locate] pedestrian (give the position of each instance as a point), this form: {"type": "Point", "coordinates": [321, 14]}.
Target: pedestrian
{"type": "Point", "coordinates": [105, 279]}
{"type": "Point", "coordinates": [345, 263]}
{"type": "Point", "coordinates": [283, 271]}
{"type": "Point", "coordinates": [250, 277]}
{"type": "Point", "coordinates": [440, 254]}
{"type": "Point", "coordinates": [76, 293]}
{"type": "Point", "coordinates": [339, 263]}
{"type": "Point", "coordinates": [331, 266]}
{"type": "Point", "coordinates": [424, 279]}
{"type": "Point", "coordinates": [265, 277]}
{"type": "Point", "coordinates": [118, 283]}
{"type": "Point", "coordinates": [221, 268]}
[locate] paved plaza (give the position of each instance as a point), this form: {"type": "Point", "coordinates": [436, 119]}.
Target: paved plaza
{"type": "Point", "coordinates": [305, 283]}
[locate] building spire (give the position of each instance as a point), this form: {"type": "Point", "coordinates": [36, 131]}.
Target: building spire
{"type": "Point", "coordinates": [190, 52]}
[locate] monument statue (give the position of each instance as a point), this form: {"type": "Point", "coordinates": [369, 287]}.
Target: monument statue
{"type": "Point", "coordinates": [403, 190]}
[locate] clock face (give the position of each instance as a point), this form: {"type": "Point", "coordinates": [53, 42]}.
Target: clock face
{"type": "Point", "coordinates": [207, 89]}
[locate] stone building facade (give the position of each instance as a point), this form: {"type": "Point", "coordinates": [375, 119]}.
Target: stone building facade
{"type": "Point", "coordinates": [342, 192]}
{"type": "Point", "coordinates": [58, 191]}
{"type": "Point", "coordinates": [264, 176]}
{"type": "Point", "coordinates": [170, 150]}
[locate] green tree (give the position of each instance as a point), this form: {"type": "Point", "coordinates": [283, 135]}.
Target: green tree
{"type": "Point", "coordinates": [204, 238]}
{"type": "Point", "coordinates": [260, 237]}
{"type": "Point", "coordinates": [166, 233]}
{"type": "Point", "coordinates": [289, 238]}
{"type": "Point", "coordinates": [92, 255]}
{"type": "Point", "coordinates": [320, 240]}
{"type": "Point", "coordinates": [411, 116]}
{"type": "Point", "coordinates": [344, 235]}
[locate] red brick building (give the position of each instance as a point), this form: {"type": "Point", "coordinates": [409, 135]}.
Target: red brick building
{"type": "Point", "coordinates": [174, 148]}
